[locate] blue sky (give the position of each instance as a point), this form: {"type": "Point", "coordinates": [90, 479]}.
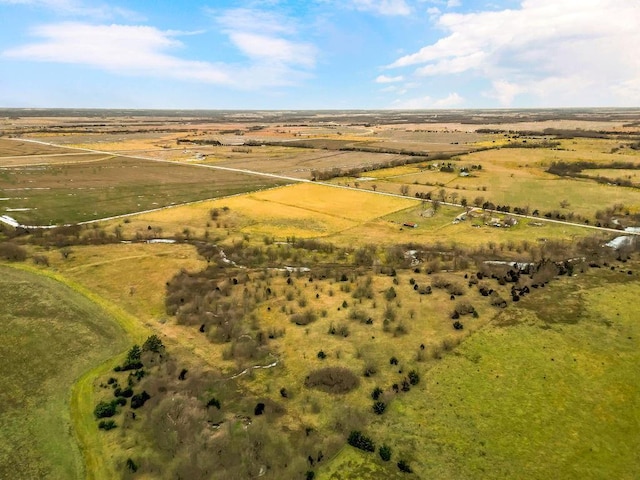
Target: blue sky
{"type": "Point", "coordinates": [319, 54]}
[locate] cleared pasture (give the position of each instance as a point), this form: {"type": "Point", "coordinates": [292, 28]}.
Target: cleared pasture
{"type": "Point", "coordinates": [10, 148]}
{"type": "Point", "coordinates": [550, 392]}
{"type": "Point", "coordinates": [52, 159]}
{"type": "Point", "coordinates": [292, 161]}
{"type": "Point", "coordinates": [50, 335]}
{"type": "Point", "coordinates": [517, 177]}
{"type": "Point", "coordinates": [303, 210]}
{"type": "Point", "coordinates": [54, 194]}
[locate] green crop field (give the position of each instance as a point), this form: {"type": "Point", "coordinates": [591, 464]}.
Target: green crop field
{"type": "Point", "coordinates": [50, 335]}
{"type": "Point", "coordinates": [55, 194]}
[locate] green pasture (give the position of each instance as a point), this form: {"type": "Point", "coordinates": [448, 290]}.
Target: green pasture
{"type": "Point", "coordinates": [540, 393]}
{"type": "Point", "coordinates": [50, 335]}
{"type": "Point", "coordinates": [56, 194]}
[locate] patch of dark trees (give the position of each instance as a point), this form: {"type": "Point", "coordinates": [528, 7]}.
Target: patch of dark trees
{"type": "Point", "coordinates": [574, 169]}
{"type": "Point", "coordinates": [197, 141]}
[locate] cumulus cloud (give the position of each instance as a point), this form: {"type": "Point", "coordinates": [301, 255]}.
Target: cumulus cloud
{"type": "Point", "coordinates": [562, 52]}
{"type": "Point", "coordinates": [426, 102]}
{"type": "Point", "coordinates": [140, 51]}
{"type": "Point", "coordinates": [387, 79]}
{"type": "Point", "coordinates": [383, 7]}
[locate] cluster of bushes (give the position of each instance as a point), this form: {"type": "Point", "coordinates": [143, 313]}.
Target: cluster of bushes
{"type": "Point", "coordinates": [133, 361]}
{"type": "Point", "coordinates": [332, 380]}
{"type": "Point", "coordinates": [12, 252]}
{"type": "Point", "coordinates": [362, 442]}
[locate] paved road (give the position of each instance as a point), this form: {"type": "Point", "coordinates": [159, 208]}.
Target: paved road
{"type": "Point", "coordinates": [289, 179]}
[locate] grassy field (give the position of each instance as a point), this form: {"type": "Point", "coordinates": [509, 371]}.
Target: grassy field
{"type": "Point", "coordinates": [11, 148]}
{"type": "Point", "coordinates": [517, 177]}
{"type": "Point", "coordinates": [302, 210]}
{"type": "Point", "coordinates": [71, 193]}
{"type": "Point", "coordinates": [50, 336]}
{"type": "Point", "coordinates": [540, 393]}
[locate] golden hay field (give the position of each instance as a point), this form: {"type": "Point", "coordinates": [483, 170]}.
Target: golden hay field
{"type": "Point", "coordinates": [304, 210]}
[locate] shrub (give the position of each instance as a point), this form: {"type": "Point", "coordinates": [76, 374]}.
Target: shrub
{"type": "Point", "coordinates": [105, 409]}
{"type": "Point", "coordinates": [152, 344]}
{"type": "Point", "coordinates": [369, 369]}
{"type": "Point", "coordinates": [390, 294]}
{"type": "Point", "coordinates": [393, 361]}
{"type": "Point", "coordinates": [213, 402]}
{"type": "Point", "coordinates": [259, 410]}
{"type": "Point", "coordinates": [404, 466]}
{"type": "Point", "coordinates": [107, 425]}
{"type": "Point", "coordinates": [304, 318]}
{"type": "Point", "coordinates": [12, 252]}
{"type": "Point", "coordinates": [139, 400]}
{"type": "Point", "coordinates": [414, 377]}
{"type": "Point", "coordinates": [332, 380]}
{"type": "Point", "coordinates": [132, 362]}
{"type": "Point", "coordinates": [379, 407]}
{"type": "Point", "coordinates": [458, 325]}
{"type": "Point", "coordinates": [455, 289]}
{"type": "Point", "coordinates": [358, 440]}
{"type": "Point", "coordinates": [41, 260]}
{"type": "Point", "coordinates": [375, 394]}
{"type": "Point", "coordinates": [322, 355]}
{"type": "Point", "coordinates": [126, 393]}
{"type": "Point", "coordinates": [131, 466]}
{"type": "Point", "coordinates": [385, 453]}
{"type": "Point", "coordinates": [400, 329]}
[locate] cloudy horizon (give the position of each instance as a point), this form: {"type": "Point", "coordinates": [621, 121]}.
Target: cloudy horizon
{"type": "Point", "coordinates": [323, 54]}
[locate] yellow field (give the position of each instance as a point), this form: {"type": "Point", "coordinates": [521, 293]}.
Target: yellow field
{"type": "Point", "coordinates": [125, 144]}
{"type": "Point", "coordinates": [132, 276]}
{"type": "Point", "coordinates": [303, 210]}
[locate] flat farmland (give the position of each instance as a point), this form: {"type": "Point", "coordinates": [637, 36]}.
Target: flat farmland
{"type": "Point", "coordinates": [12, 148]}
{"type": "Point", "coordinates": [54, 194]}
{"type": "Point", "coordinates": [291, 161]}
{"type": "Point", "coordinates": [303, 210]}
{"type": "Point", "coordinates": [52, 159]}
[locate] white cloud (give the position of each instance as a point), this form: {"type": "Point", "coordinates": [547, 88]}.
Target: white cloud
{"type": "Point", "coordinates": [387, 79]}
{"type": "Point", "coordinates": [383, 7]}
{"type": "Point", "coordinates": [273, 49]}
{"type": "Point", "coordinates": [562, 52]}
{"type": "Point", "coordinates": [79, 8]}
{"type": "Point", "coordinates": [426, 102]}
{"type": "Point", "coordinates": [264, 37]}
{"type": "Point", "coordinates": [451, 100]}
{"type": "Point", "coordinates": [140, 51]}
{"type": "Point", "coordinates": [454, 3]}
{"type": "Point", "coordinates": [256, 21]}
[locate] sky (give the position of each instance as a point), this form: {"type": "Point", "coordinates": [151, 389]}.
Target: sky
{"type": "Point", "coordinates": [319, 54]}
